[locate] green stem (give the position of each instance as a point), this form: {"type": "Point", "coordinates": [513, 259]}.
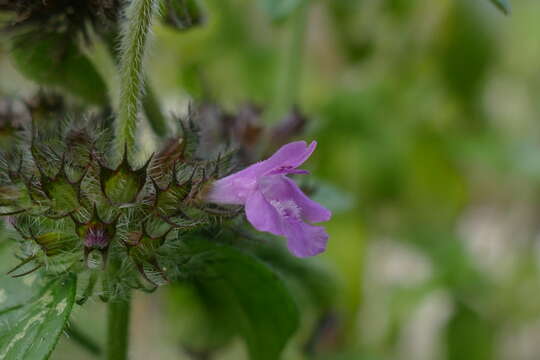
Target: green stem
{"type": "Point", "coordinates": [293, 73]}
{"type": "Point", "coordinates": [288, 90]}
{"type": "Point", "coordinates": [150, 103]}
{"type": "Point", "coordinates": [133, 48]}
{"type": "Point", "coordinates": [118, 329]}
{"type": "Point", "coordinates": [75, 334]}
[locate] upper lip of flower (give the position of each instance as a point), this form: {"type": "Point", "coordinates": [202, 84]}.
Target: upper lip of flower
{"type": "Point", "coordinates": [286, 160]}
{"type": "Point", "coordinates": [236, 188]}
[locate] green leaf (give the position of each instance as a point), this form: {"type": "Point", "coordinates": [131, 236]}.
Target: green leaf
{"type": "Point", "coordinates": [315, 280]}
{"type": "Point", "coordinates": [182, 14]}
{"type": "Point", "coordinates": [281, 9]}
{"type": "Point", "coordinates": [31, 331]}
{"type": "Point", "coordinates": [55, 60]}
{"type": "Point", "coordinates": [205, 325]}
{"type": "Point", "coordinates": [469, 335]}
{"type": "Point", "coordinates": [14, 292]}
{"type": "Point", "coordinates": [255, 300]}
{"type": "Point", "coordinates": [503, 5]}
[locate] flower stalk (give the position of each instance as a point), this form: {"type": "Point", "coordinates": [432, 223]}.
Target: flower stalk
{"type": "Point", "coordinates": [118, 318]}
{"type": "Point", "coordinates": [118, 328]}
{"type": "Point", "coordinates": [133, 48]}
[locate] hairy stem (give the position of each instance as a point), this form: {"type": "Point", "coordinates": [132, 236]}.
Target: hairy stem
{"type": "Point", "coordinates": [133, 48]}
{"type": "Point", "coordinates": [118, 329]}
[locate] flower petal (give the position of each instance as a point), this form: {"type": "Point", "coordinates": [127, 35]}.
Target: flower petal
{"type": "Point", "coordinates": [280, 188]}
{"type": "Point", "coordinates": [289, 156]}
{"type": "Point", "coordinates": [233, 189]}
{"type": "Point", "coordinates": [236, 188]}
{"type": "Point", "coordinates": [305, 240]}
{"type": "Point", "coordinates": [262, 215]}
{"type": "Point", "coordinates": [311, 210]}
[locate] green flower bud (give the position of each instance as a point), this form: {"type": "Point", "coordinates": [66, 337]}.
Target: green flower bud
{"type": "Point", "coordinates": [63, 193]}
{"type": "Point", "coordinates": [123, 184]}
{"type": "Point", "coordinates": [126, 223]}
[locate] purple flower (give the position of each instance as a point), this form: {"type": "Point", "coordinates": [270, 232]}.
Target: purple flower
{"type": "Point", "coordinates": [96, 237]}
{"type": "Point", "coordinates": [274, 203]}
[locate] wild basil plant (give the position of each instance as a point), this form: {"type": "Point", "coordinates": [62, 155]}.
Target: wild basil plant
{"type": "Point", "coordinates": [92, 215]}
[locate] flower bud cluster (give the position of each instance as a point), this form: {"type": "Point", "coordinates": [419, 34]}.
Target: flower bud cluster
{"type": "Point", "coordinates": [76, 205]}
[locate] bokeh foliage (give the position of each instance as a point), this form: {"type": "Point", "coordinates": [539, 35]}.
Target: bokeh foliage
{"type": "Point", "coordinates": [427, 122]}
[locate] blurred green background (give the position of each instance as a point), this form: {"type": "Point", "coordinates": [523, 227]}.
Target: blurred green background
{"type": "Point", "coordinates": [429, 141]}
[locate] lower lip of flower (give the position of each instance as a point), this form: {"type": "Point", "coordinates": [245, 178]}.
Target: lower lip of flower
{"type": "Point", "coordinates": [287, 209]}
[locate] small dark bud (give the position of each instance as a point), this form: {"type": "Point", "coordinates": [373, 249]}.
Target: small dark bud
{"type": "Point", "coordinates": [244, 131]}
{"type": "Point", "coordinates": [183, 14]}
{"type": "Point", "coordinates": [162, 169]}
{"type": "Point", "coordinates": [46, 107]}
{"type": "Point", "coordinates": [221, 130]}
{"type": "Point", "coordinates": [13, 117]}
{"type": "Point", "coordinates": [292, 125]}
{"type": "Point", "coordinates": [96, 237]}
{"type": "Point", "coordinates": [247, 127]}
